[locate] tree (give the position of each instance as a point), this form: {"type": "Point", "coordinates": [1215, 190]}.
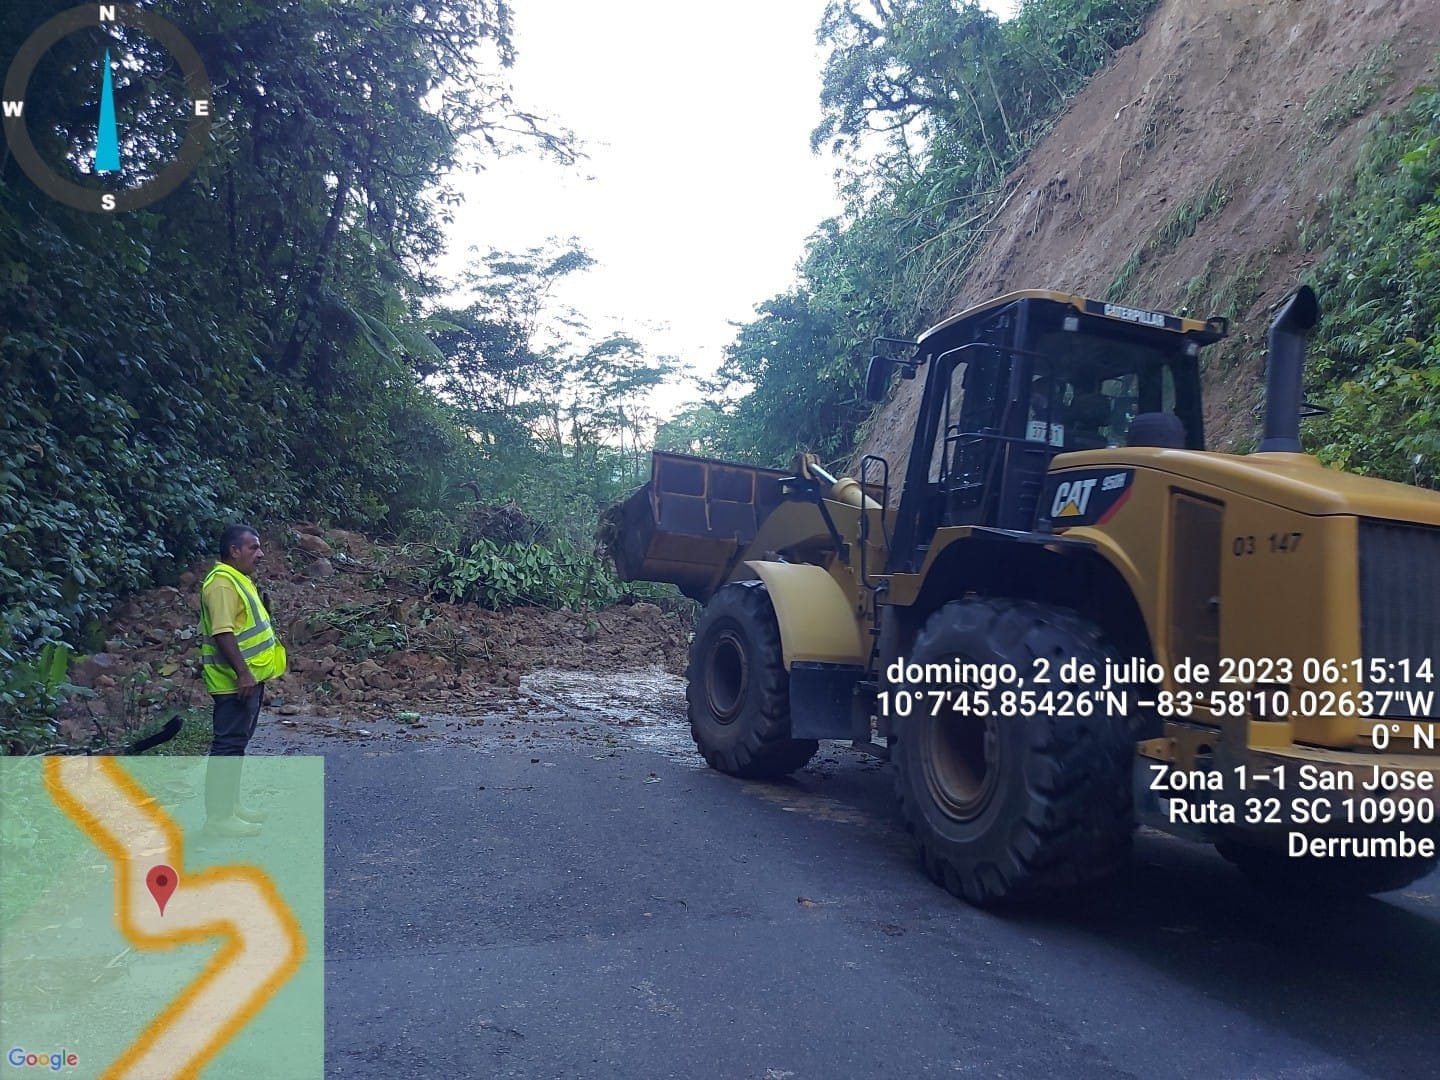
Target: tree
{"type": "Point", "coordinates": [560, 410]}
{"type": "Point", "coordinates": [928, 104]}
{"type": "Point", "coordinates": [250, 345]}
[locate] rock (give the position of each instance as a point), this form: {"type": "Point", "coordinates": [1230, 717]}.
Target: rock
{"type": "Point", "coordinates": [187, 580]}
{"type": "Point", "coordinates": [315, 545]}
{"type": "Point", "coordinates": [97, 708]}
{"type": "Point", "coordinates": [351, 541]}
{"type": "Point", "coordinates": [380, 680]}
{"type": "Point", "coordinates": [114, 645]}
{"type": "Point", "coordinates": [321, 568]}
{"type": "Point", "coordinates": [290, 710]}
{"type": "Point", "coordinates": [155, 636]}
{"type": "Point", "coordinates": [105, 682]}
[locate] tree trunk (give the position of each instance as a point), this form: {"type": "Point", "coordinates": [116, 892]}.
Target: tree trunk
{"type": "Point", "coordinates": [290, 360]}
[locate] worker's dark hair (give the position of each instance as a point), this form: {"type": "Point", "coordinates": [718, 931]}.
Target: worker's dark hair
{"type": "Point", "coordinates": [232, 536]}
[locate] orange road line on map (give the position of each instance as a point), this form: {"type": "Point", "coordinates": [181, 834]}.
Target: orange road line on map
{"type": "Point", "coordinates": [103, 839]}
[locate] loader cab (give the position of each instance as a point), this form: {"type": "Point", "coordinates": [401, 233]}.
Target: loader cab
{"type": "Point", "coordinates": [1013, 383]}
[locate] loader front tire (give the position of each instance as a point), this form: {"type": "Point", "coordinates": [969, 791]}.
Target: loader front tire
{"type": "Point", "coordinates": [738, 690]}
{"type": "Point", "coordinates": [1010, 807]}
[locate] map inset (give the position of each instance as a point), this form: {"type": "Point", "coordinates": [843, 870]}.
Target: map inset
{"type": "Point", "coordinates": [133, 945]}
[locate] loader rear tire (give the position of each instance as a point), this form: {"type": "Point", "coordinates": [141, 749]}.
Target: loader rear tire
{"type": "Point", "coordinates": [1019, 807]}
{"type": "Point", "coordinates": [738, 690]}
{"type": "Point", "coordinates": [1348, 877]}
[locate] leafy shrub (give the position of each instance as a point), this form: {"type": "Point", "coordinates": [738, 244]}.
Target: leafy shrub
{"type": "Point", "coordinates": [1376, 355]}
{"type": "Point", "coordinates": [31, 690]}
{"type": "Point", "coordinates": [498, 576]}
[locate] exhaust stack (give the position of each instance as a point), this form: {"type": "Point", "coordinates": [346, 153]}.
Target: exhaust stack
{"type": "Point", "coordinates": [1285, 371]}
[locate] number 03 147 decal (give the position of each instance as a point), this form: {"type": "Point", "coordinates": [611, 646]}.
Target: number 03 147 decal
{"type": "Point", "coordinates": [1277, 543]}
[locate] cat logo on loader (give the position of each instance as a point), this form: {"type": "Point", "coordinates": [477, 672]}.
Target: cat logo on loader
{"type": "Point", "coordinates": [1071, 499]}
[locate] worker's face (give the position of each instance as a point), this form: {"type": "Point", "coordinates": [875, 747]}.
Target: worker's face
{"type": "Point", "coordinates": [245, 555]}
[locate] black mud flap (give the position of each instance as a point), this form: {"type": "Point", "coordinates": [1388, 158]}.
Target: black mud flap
{"type": "Point", "coordinates": [823, 704]}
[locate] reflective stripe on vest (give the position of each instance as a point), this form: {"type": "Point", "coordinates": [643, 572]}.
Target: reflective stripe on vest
{"type": "Point", "coordinates": [259, 648]}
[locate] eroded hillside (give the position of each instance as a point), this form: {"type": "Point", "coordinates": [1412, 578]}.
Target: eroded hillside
{"type": "Point", "coordinates": [1194, 174]}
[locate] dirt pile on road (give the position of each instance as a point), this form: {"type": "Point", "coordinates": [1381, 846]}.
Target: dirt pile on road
{"type": "Point", "coordinates": [364, 639]}
{"type": "Point", "coordinates": [1193, 175]}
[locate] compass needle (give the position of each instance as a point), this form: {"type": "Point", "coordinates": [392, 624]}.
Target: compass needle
{"type": "Point", "coordinates": [153, 167]}
{"type": "Point", "coordinates": [107, 142]}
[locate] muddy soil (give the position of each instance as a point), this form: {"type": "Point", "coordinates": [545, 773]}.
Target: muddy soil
{"type": "Point", "coordinates": [366, 642]}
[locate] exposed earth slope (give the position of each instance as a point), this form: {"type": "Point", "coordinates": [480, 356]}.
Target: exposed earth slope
{"type": "Point", "coordinates": [1194, 172]}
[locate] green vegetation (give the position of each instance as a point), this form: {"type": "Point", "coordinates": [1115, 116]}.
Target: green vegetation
{"type": "Point", "coordinates": [31, 690]}
{"type": "Point", "coordinates": [1185, 218]}
{"type": "Point", "coordinates": [266, 341]}
{"type": "Point", "coordinates": [1179, 224]}
{"type": "Point", "coordinates": [928, 104]}
{"type": "Point", "coordinates": [1229, 294]}
{"type": "Point", "coordinates": [194, 737]}
{"type": "Point", "coordinates": [1349, 97]}
{"type": "Point", "coordinates": [506, 575]}
{"type": "Point", "coordinates": [1376, 356]}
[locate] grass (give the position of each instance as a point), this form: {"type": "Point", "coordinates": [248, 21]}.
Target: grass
{"type": "Point", "coordinates": [194, 737]}
{"type": "Point", "coordinates": [1231, 295]}
{"type": "Point", "coordinates": [1349, 97]}
{"type": "Point", "coordinates": [1241, 289]}
{"type": "Point", "coordinates": [1186, 217]}
{"type": "Point", "coordinates": [1125, 275]}
{"type": "Point", "coordinates": [1179, 225]}
{"type": "Point", "coordinates": [1195, 299]}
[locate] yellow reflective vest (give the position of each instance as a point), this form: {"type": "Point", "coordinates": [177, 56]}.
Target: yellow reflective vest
{"type": "Point", "coordinates": [261, 649]}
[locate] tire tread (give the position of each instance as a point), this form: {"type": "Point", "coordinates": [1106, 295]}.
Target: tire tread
{"type": "Point", "coordinates": [1078, 820]}
{"type": "Point", "coordinates": [765, 750]}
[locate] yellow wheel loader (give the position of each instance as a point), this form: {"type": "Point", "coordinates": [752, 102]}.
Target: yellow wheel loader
{"type": "Point", "coordinates": [1070, 616]}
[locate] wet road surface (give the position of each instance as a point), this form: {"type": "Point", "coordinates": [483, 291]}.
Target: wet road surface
{"type": "Point", "coordinates": [558, 887]}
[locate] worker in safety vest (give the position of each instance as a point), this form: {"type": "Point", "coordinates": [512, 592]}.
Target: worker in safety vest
{"type": "Point", "coordinates": [239, 651]}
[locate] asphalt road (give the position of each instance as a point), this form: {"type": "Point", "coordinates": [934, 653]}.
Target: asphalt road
{"type": "Point", "coordinates": [570, 893]}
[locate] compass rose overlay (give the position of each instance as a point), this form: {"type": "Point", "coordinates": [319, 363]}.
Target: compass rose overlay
{"type": "Point", "coordinates": [99, 200]}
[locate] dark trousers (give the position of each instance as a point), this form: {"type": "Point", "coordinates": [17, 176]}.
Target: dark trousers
{"type": "Point", "coordinates": [235, 722]}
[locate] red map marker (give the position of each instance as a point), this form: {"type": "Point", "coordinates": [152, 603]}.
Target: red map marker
{"type": "Point", "coordinates": [161, 882]}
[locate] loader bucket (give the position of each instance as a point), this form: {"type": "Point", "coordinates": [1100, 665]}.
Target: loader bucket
{"type": "Point", "coordinates": [690, 523]}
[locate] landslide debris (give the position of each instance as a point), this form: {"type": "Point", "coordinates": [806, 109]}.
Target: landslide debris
{"type": "Point", "coordinates": [364, 637]}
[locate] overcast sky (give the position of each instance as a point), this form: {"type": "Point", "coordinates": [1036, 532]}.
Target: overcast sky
{"type": "Point", "coordinates": [699, 188]}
